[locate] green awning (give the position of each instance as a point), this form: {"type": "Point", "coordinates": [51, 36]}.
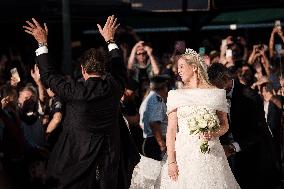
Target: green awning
{"type": "Point", "coordinates": [249, 16]}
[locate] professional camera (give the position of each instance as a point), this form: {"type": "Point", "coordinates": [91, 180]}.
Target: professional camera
{"type": "Point", "coordinates": [28, 112]}
{"type": "Point", "coordinates": [260, 47]}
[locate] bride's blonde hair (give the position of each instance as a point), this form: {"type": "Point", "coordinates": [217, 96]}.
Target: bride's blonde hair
{"type": "Point", "coordinates": [191, 57]}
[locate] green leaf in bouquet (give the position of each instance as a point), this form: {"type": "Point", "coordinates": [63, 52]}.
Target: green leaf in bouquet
{"type": "Point", "coordinates": [216, 127]}
{"type": "Point", "coordinates": [192, 131]}
{"type": "Point", "coordinates": [203, 129]}
{"type": "Point", "coordinates": [204, 147]}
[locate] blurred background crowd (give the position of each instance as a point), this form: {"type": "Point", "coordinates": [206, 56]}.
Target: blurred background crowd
{"type": "Point", "coordinates": [31, 114]}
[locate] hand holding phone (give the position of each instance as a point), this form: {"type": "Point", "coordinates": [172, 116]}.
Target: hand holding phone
{"type": "Point", "coordinates": [15, 75]}
{"type": "Point", "coordinates": [277, 24]}
{"type": "Point", "coordinates": [201, 51]}
{"type": "Point", "coordinates": [224, 43]}
{"type": "Point", "coordinates": [278, 48]}
{"type": "Point", "coordinates": [229, 53]}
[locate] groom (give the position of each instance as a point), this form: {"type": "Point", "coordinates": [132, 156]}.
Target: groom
{"type": "Point", "coordinates": [88, 151]}
{"type": "Point", "coordinates": [254, 163]}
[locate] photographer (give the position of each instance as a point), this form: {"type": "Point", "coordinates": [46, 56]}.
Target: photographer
{"type": "Point", "coordinates": [275, 48]}
{"type": "Point", "coordinates": [258, 56]}
{"type": "Point", "coordinates": [233, 51]}
{"type": "Point", "coordinates": [31, 123]}
{"type": "Point", "coordinates": [142, 65]}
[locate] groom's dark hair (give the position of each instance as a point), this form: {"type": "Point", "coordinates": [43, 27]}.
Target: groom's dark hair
{"type": "Point", "coordinates": [218, 74]}
{"type": "Point", "coordinates": [94, 61]}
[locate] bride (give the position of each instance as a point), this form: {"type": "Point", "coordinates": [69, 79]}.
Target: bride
{"type": "Point", "coordinates": [187, 166]}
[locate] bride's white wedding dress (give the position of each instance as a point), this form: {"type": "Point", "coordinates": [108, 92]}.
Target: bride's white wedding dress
{"type": "Point", "coordinates": [196, 169]}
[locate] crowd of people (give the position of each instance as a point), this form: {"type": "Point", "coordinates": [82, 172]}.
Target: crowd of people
{"type": "Point", "coordinates": [35, 101]}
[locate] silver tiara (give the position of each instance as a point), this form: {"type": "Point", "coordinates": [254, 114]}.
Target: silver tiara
{"type": "Point", "coordinates": [192, 52]}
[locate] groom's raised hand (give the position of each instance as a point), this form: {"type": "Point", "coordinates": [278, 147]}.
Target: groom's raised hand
{"type": "Point", "coordinates": [37, 31]}
{"type": "Point", "coordinates": [109, 29]}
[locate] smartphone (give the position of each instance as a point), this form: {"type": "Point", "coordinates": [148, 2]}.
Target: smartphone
{"type": "Point", "coordinates": [15, 74]}
{"type": "Point", "coordinates": [277, 24]}
{"type": "Point", "coordinates": [278, 48]}
{"type": "Point", "coordinates": [224, 42]}
{"type": "Point", "coordinates": [201, 51]}
{"type": "Point", "coordinates": [229, 53]}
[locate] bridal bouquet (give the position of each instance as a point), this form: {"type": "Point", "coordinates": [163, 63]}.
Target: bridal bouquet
{"type": "Point", "coordinates": [203, 120]}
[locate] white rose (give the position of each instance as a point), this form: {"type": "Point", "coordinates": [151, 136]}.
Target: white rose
{"type": "Point", "coordinates": [201, 111]}
{"type": "Point", "coordinates": [207, 116]}
{"type": "Point", "coordinates": [202, 124]}
{"type": "Point", "coordinates": [211, 124]}
{"type": "Point", "coordinates": [214, 116]}
{"type": "Point", "coordinates": [192, 123]}
{"type": "Point", "coordinates": [199, 118]}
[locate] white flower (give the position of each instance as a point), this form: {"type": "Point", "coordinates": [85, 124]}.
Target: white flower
{"type": "Point", "coordinates": [192, 124]}
{"type": "Point", "coordinates": [214, 116]}
{"type": "Point", "coordinates": [199, 117]}
{"type": "Point", "coordinates": [207, 117]}
{"type": "Point", "coordinates": [211, 124]}
{"type": "Point", "coordinates": [202, 119]}
{"type": "Point", "coordinates": [202, 124]}
{"type": "Point", "coordinates": [202, 111]}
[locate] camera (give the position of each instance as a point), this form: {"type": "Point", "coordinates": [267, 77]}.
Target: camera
{"type": "Point", "coordinates": [277, 24]}
{"type": "Point", "coordinates": [260, 47]}
{"type": "Point", "coordinates": [28, 112]}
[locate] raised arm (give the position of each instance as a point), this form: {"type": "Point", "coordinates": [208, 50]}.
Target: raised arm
{"type": "Point", "coordinates": [117, 67]}
{"type": "Point", "coordinates": [265, 62]}
{"type": "Point", "coordinates": [153, 60]}
{"type": "Point", "coordinates": [36, 77]}
{"type": "Point", "coordinates": [271, 43]}
{"type": "Point", "coordinates": [56, 82]}
{"type": "Point", "coordinates": [131, 58]}
{"type": "Point", "coordinates": [252, 55]}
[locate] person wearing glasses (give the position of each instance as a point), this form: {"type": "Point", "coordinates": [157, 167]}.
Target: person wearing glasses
{"type": "Point", "coordinates": [142, 65]}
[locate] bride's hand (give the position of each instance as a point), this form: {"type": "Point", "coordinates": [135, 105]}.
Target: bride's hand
{"type": "Point", "coordinates": [206, 135]}
{"type": "Point", "coordinates": [173, 171]}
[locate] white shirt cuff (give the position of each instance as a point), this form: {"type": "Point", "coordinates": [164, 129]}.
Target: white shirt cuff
{"type": "Point", "coordinates": [112, 46]}
{"type": "Point", "coordinates": [41, 50]}
{"type": "Point", "coordinates": [237, 146]}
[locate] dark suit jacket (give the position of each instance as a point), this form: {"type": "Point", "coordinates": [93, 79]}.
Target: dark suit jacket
{"type": "Point", "coordinates": [256, 165]}
{"type": "Point", "coordinates": [274, 117]}
{"type": "Point", "coordinates": [89, 146]}
{"type": "Point", "coordinates": [129, 158]}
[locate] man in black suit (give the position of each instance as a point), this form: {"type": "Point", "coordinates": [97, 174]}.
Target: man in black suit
{"type": "Point", "coordinates": [255, 163]}
{"type": "Point", "coordinates": [273, 113]}
{"type": "Point", "coordinates": [87, 153]}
